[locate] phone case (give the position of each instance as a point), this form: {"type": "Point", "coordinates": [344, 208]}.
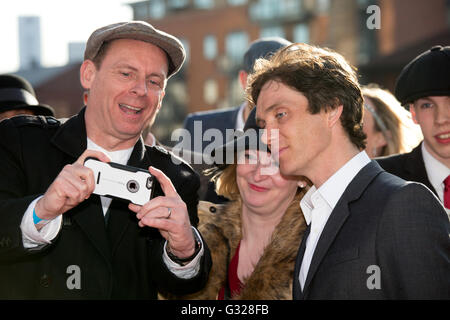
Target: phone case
{"type": "Point", "coordinates": [121, 181]}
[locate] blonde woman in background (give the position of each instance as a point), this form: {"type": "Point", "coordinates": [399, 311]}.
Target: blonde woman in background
{"type": "Point", "coordinates": [388, 126]}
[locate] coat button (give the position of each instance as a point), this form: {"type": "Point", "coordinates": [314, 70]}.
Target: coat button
{"type": "Point", "coordinates": [45, 281]}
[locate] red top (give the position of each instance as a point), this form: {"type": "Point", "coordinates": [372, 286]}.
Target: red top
{"type": "Point", "coordinates": [234, 283]}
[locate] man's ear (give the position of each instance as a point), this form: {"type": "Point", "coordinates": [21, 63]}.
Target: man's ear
{"type": "Point", "coordinates": [333, 115]}
{"type": "Point", "coordinates": [87, 74]}
{"type": "Point", "coordinates": [412, 109]}
{"type": "Point", "coordinates": [243, 79]}
{"type": "Point", "coordinates": [160, 101]}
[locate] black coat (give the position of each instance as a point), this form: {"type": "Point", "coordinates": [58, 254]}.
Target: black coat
{"type": "Point", "coordinates": [408, 166]}
{"type": "Point", "coordinates": [117, 260]}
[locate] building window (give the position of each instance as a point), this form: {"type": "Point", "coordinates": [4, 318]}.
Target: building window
{"type": "Point", "coordinates": [272, 32]}
{"type": "Point", "coordinates": [448, 11]}
{"type": "Point", "coordinates": [236, 2]}
{"type": "Point", "coordinates": [204, 4]}
{"type": "Point", "coordinates": [322, 6]}
{"type": "Point", "coordinates": [301, 33]}
{"type": "Point", "coordinates": [210, 91]}
{"type": "Point", "coordinates": [275, 9]}
{"type": "Point", "coordinates": [157, 9]}
{"type": "Point", "coordinates": [235, 45]}
{"type": "Point", "coordinates": [210, 47]}
{"type": "Point", "coordinates": [178, 4]}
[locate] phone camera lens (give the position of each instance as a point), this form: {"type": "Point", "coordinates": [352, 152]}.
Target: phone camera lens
{"type": "Point", "coordinates": [133, 186]}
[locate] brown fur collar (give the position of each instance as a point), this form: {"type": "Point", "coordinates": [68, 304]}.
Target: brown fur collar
{"type": "Point", "coordinates": [273, 275]}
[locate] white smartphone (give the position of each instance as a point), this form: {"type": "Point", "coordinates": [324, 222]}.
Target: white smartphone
{"type": "Point", "coordinates": [121, 181]}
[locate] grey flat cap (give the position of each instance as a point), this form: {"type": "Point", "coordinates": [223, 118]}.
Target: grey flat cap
{"type": "Point", "coordinates": [138, 30]}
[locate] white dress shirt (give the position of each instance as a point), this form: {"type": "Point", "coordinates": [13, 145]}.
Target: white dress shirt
{"type": "Point", "coordinates": [436, 172]}
{"type": "Point", "coordinates": [32, 238]}
{"type": "Point", "coordinates": [317, 205]}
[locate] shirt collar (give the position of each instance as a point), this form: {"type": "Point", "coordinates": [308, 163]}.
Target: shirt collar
{"type": "Point", "coordinates": [240, 123]}
{"type": "Point", "coordinates": [331, 191]}
{"type": "Point", "coordinates": [436, 170]}
{"type": "Point", "coordinates": [120, 156]}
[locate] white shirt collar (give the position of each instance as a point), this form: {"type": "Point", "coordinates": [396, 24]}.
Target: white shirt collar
{"type": "Point", "coordinates": [436, 170]}
{"type": "Point", "coordinates": [240, 117]}
{"type": "Point", "coordinates": [119, 156]}
{"type": "Point", "coordinates": [331, 191]}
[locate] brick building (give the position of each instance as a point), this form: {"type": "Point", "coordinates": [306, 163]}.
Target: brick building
{"type": "Point", "coordinates": [217, 32]}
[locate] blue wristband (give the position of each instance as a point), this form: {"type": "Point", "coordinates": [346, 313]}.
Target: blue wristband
{"type": "Point", "coordinates": [36, 219]}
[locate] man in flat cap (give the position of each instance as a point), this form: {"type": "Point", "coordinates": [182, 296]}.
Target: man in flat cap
{"type": "Point", "coordinates": [424, 87]}
{"type": "Point", "coordinates": [17, 96]}
{"type": "Point", "coordinates": [58, 240]}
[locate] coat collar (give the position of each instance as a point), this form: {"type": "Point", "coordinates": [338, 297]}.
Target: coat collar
{"type": "Point", "coordinates": [415, 167]}
{"type": "Point", "coordinates": [71, 136]}
{"type": "Point", "coordinates": [339, 215]}
{"type": "Point", "coordinates": [272, 277]}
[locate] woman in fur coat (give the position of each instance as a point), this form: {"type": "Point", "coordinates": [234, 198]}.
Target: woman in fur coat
{"type": "Point", "coordinates": [255, 237]}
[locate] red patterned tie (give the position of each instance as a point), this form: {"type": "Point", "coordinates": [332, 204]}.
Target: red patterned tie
{"type": "Point", "coordinates": [447, 192]}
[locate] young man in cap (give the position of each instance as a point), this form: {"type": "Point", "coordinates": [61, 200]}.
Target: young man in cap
{"type": "Point", "coordinates": [17, 96]}
{"type": "Point", "coordinates": [371, 235]}
{"type": "Point", "coordinates": [424, 87]}
{"type": "Point", "coordinates": [59, 240]}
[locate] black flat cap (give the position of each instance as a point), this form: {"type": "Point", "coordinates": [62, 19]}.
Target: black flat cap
{"type": "Point", "coordinates": [138, 30]}
{"type": "Point", "coordinates": [426, 75]}
{"type": "Point", "coordinates": [17, 93]}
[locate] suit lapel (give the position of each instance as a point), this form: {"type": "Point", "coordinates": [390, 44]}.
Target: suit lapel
{"type": "Point", "coordinates": [415, 168]}
{"type": "Point", "coordinates": [338, 217]}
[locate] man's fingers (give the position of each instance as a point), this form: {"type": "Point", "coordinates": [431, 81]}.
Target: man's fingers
{"type": "Point", "coordinates": [166, 185]}
{"type": "Point", "coordinates": [92, 153]}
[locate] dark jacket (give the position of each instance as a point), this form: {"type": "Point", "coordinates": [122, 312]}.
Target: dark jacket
{"type": "Point", "coordinates": [408, 166]}
{"type": "Point", "coordinates": [117, 260]}
{"type": "Point", "coordinates": [213, 119]}
{"type": "Point", "coordinates": [385, 239]}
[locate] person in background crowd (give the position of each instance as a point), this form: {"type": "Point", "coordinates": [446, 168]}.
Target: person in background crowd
{"type": "Point", "coordinates": [61, 241]}
{"type": "Point", "coordinates": [424, 87]}
{"type": "Point", "coordinates": [254, 237]}
{"type": "Point", "coordinates": [17, 97]}
{"type": "Point", "coordinates": [388, 126]}
{"type": "Point", "coordinates": [370, 235]}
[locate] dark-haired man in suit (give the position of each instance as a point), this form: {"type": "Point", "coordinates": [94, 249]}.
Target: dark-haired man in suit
{"type": "Point", "coordinates": [371, 235]}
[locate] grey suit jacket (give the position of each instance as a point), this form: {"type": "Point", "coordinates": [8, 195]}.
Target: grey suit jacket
{"type": "Point", "coordinates": [385, 239]}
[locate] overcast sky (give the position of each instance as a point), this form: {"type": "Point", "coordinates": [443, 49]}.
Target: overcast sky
{"type": "Point", "coordinates": [62, 21]}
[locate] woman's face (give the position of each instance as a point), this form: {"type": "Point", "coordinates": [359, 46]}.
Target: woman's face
{"type": "Point", "coordinates": [260, 183]}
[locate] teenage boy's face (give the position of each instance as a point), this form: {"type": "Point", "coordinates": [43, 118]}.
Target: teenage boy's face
{"type": "Point", "coordinates": [433, 116]}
